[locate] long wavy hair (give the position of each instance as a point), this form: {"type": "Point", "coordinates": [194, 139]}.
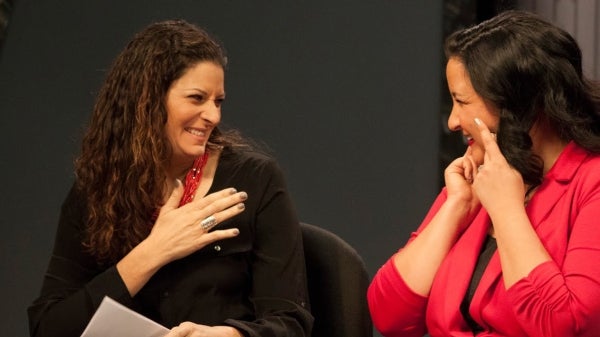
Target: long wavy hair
{"type": "Point", "coordinates": [125, 152]}
{"type": "Point", "coordinates": [531, 71]}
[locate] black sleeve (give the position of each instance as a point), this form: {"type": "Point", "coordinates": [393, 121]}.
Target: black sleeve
{"type": "Point", "coordinates": [73, 285]}
{"type": "Point", "coordinates": [279, 292]}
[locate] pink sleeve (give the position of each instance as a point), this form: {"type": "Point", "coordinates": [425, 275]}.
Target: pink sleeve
{"type": "Point", "coordinates": [546, 307]}
{"type": "Point", "coordinates": [395, 309]}
{"type": "Point", "coordinates": [565, 301]}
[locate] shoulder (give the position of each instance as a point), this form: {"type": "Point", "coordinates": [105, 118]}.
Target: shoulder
{"type": "Point", "coordinates": [248, 168]}
{"type": "Point", "coordinates": [589, 171]}
{"type": "Point", "coordinates": [257, 173]}
{"type": "Point", "coordinates": [75, 201]}
{"type": "Point", "coordinates": [585, 183]}
{"type": "Point", "coordinates": [248, 159]}
{"type": "Point", "coordinates": [575, 164]}
{"type": "Point", "coordinates": [589, 168]}
{"type": "Point", "coordinates": [592, 161]}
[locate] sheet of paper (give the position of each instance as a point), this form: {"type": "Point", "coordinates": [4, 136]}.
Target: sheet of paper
{"type": "Point", "coordinates": [114, 319]}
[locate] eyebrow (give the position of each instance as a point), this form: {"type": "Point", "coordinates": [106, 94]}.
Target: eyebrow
{"type": "Point", "coordinates": [195, 89]}
{"type": "Point", "coordinates": [459, 94]}
{"type": "Point", "coordinates": [199, 90]}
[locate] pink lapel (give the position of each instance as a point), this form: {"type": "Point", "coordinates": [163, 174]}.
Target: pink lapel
{"type": "Point", "coordinates": [453, 277]}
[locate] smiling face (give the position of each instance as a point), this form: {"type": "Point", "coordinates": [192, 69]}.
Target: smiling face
{"type": "Point", "coordinates": [193, 104]}
{"type": "Point", "coordinates": [466, 106]}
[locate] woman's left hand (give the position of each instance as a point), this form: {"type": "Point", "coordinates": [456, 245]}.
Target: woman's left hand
{"type": "Point", "coordinates": [499, 186]}
{"type": "Point", "coordinates": [189, 329]}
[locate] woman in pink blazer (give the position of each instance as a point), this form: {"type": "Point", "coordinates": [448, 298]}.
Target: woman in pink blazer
{"type": "Point", "coordinates": [511, 246]}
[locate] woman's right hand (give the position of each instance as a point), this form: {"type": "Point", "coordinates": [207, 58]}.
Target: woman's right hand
{"type": "Point", "coordinates": [458, 178]}
{"type": "Point", "coordinates": [177, 231]}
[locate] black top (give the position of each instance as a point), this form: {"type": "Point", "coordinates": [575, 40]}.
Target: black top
{"type": "Point", "coordinates": [255, 281]}
{"type": "Point", "coordinates": [487, 251]}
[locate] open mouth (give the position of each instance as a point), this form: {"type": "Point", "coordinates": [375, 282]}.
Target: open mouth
{"type": "Point", "coordinates": [196, 132]}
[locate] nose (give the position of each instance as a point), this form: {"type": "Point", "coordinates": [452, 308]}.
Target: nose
{"type": "Point", "coordinates": [453, 120]}
{"type": "Point", "coordinates": [212, 112]}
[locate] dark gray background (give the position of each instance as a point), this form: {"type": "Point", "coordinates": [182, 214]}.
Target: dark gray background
{"type": "Point", "coordinates": [345, 93]}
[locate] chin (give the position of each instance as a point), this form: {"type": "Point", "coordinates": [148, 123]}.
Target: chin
{"type": "Point", "coordinates": [196, 154]}
{"type": "Point", "coordinates": [192, 153]}
{"type": "Point", "coordinates": [197, 150]}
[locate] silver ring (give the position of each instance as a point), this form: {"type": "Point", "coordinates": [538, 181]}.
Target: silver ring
{"type": "Point", "coordinates": [208, 223]}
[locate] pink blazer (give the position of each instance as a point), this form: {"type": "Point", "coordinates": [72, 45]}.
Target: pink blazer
{"type": "Point", "coordinates": [558, 298]}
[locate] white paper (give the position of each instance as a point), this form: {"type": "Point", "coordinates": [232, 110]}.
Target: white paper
{"type": "Point", "coordinates": [116, 320]}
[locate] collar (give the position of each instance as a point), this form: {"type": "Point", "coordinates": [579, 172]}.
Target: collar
{"type": "Point", "coordinates": [567, 163]}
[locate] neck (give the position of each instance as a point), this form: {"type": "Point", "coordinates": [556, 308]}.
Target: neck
{"type": "Point", "coordinates": [179, 168]}
{"type": "Point", "coordinates": [547, 145]}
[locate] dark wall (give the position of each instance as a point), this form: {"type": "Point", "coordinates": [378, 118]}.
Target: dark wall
{"type": "Point", "coordinates": [345, 93]}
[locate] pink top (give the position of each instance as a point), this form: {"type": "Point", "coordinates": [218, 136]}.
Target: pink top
{"type": "Point", "coordinates": [558, 298]}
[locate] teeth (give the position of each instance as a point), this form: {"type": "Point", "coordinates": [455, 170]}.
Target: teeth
{"type": "Point", "coordinates": [196, 132]}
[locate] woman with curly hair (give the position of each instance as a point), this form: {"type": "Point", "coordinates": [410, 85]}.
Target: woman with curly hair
{"type": "Point", "coordinates": [169, 215]}
{"type": "Point", "coordinates": [511, 246]}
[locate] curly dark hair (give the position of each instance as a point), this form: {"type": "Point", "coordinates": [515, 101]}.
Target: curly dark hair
{"type": "Point", "coordinates": [121, 170]}
{"type": "Point", "coordinates": [531, 71]}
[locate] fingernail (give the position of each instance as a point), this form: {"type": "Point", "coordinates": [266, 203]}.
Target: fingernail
{"type": "Point", "coordinates": [241, 206]}
{"type": "Point", "coordinates": [233, 191]}
{"type": "Point", "coordinates": [477, 121]}
{"type": "Point", "coordinates": [236, 231]}
{"type": "Point", "coordinates": [243, 195]}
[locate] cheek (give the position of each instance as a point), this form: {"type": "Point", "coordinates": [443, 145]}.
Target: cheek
{"type": "Point", "coordinates": [169, 129]}
{"type": "Point", "coordinates": [171, 132]}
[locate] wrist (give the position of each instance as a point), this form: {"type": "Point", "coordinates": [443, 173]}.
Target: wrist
{"type": "Point", "coordinates": [137, 267]}
{"type": "Point", "coordinates": [149, 256]}
{"type": "Point", "coordinates": [230, 331]}
{"type": "Point", "coordinates": [460, 211]}
{"type": "Point", "coordinates": [236, 333]}
{"type": "Point", "coordinates": [459, 207]}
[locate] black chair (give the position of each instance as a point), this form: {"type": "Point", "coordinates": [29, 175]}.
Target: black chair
{"type": "Point", "coordinates": [337, 285]}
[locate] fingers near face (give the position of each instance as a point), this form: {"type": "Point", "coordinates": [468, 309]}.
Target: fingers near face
{"type": "Point", "coordinates": [487, 138]}
{"type": "Point", "coordinates": [469, 167]}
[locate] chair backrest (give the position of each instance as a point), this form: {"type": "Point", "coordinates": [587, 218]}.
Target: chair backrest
{"type": "Point", "coordinates": [337, 285]}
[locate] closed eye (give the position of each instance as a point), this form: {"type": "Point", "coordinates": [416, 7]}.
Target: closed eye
{"type": "Point", "coordinates": [456, 99]}
{"type": "Point", "coordinates": [460, 102]}
{"type": "Point", "coordinates": [197, 97]}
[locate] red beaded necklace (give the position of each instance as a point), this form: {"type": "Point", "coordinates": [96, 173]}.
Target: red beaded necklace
{"type": "Point", "coordinates": [192, 179]}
